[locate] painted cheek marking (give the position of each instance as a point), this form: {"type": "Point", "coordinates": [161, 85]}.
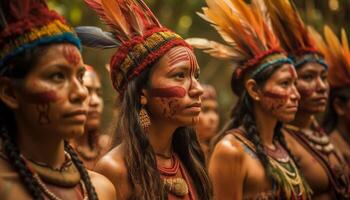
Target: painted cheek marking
{"type": "Point", "coordinates": [71, 54]}
{"type": "Point", "coordinates": [43, 97]}
{"type": "Point", "coordinates": [169, 92]}
{"type": "Point", "coordinates": [43, 112]}
{"type": "Point", "coordinates": [306, 91]}
{"type": "Point", "coordinates": [274, 100]}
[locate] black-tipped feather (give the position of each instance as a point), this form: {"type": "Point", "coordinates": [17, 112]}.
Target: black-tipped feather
{"type": "Point", "coordinates": [95, 37]}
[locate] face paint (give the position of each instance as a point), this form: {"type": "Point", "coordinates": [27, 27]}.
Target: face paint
{"type": "Point", "coordinates": [42, 102]}
{"type": "Point", "coordinates": [306, 91]}
{"type": "Point", "coordinates": [183, 55]}
{"type": "Point", "coordinates": [293, 72]}
{"type": "Point", "coordinates": [71, 54]}
{"type": "Point", "coordinates": [176, 91]}
{"type": "Point", "coordinates": [43, 112]}
{"type": "Point", "coordinates": [170, 107]}
{"type": "Point", "coordinates": [42, 97]}
{"type": "Point", "coordinates": [273, 100]}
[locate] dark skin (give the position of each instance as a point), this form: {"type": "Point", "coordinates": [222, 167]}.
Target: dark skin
{"type": "Point", "coordinates": [172, 101]}
{"type": "Point", "coordinates": [340, 136]}
{"type": "Point", "coordinates": [242, 174]}
{"type": "Point", "coordinates": [57, 82]}
{"type": "Point", "coordinates": [313, 86]}
{"type": "Point", "coordinates": [92, 125]}
{"type": "Point", "coordinates": [208, 123]}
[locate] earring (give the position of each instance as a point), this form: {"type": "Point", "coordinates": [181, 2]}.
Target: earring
{"type": "Point", "coordinates": [144, 119]}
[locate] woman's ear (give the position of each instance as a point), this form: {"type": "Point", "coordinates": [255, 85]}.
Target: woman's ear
{"type": "Point", "coordinates": [252, 89]}
{"type": "Point", "coordinates": [8, 93]}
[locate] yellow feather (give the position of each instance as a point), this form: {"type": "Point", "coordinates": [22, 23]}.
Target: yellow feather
{"type": "Point", "coordinates": [114, 12]}
{"type": "Point", "coordinates": [344, 40]}
{"type": "Point", "coordinates": [332, 40]}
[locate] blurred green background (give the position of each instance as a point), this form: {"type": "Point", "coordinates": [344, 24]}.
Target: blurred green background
{"type": "Point", "coordinates": [180, 16]}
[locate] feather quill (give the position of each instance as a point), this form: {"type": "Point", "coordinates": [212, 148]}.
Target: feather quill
{"type": "Point", "coordinates": [96, 38]}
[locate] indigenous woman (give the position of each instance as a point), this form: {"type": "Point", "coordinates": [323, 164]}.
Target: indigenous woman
{"type": "Point", "coordinates": [43, 104]}
{"type": "Point", "coordinates": [250, 159]}
{"type": "Point", "coordinates": [87, 145]}
{"type": "Point", "coordinates": [208, 118]}
{"type": "Point", "coordinates": [324, 169]}
{"type": "Point", "coordinates": [156, 76]}
{"type": "Point", "coordinates": [337, 117]}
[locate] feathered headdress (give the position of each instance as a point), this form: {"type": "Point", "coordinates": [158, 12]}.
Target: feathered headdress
{"type": "Point", "coordinates": [251, 44]}
{"type": "Point", "coordinates": [337, 55]}
{"type": "Point", "coordinates": [136, 32]}
{"type": "Point", "coordinates": [292, 33]}
{"type": "Point", "coordinates": [26, 24]}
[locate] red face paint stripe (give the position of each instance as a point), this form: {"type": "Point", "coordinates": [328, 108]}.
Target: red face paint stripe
{"type": "Point", "coordinates": [71, 54]}
{"type": "Point", "coordinates": [275, 95]}
{"type": "Point", "coordinates": [42, 97]}
{"type": "Point", "coordinates": [292, 72]}
{"type": "Point", "coordinates": [176, 91]}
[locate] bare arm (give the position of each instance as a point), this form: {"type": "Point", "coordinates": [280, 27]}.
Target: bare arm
{"type": "Point", "coordinates": [227, 169]}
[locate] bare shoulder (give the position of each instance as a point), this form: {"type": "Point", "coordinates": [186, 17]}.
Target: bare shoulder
{"type": "Point", "coordinates": [112, 166]}
{"type": "Point", "coordinates": [228, 149]}
{"type": "Point", "coordinates": [104, 188]}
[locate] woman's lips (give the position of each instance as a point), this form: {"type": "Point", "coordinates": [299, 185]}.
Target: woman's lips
{"type": "Point", "coordinates": [195, 107]}
{"type": "Point", "coordinates": [77, 115]}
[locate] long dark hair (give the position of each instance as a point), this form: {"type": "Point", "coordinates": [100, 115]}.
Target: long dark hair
{"type": "Point", "coordinates": [243, 115]}
{"type": "Point", "coordinates": [139, 155]}
{"type": "Point", "coordinates": [18, 68]}
{"type": "Point", "coordinates": [331, 117]}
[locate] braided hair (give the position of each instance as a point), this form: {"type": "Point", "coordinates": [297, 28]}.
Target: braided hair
{"type": "Point", "coordinates": [18, 69]}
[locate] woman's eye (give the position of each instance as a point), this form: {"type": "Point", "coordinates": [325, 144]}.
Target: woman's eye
{"type": "Point", "coordinates": [196, 76]}
{"type": "Point", "coordinates": [180, 75]}
{"type": "Point", "coordinates": [307, 77]}
{"type": "Point", "coordinates": [285, 83]}
{"type": "Point", "coordinates": [58, 76]}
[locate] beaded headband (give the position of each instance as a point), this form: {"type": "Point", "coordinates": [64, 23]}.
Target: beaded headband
{"type": "Point", "coordinates": [28, 24]}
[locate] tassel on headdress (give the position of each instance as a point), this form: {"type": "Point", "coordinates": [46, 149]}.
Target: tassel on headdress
{"type": "Point", "coordinates": [140, 38]}
{"type": "Point", "coordinates": [337, 55]}
{"type": "Point", "coordinates": [251, 44]}
{"type": "Point", "coordinates": [292, 33]}
{"type": "Point", "coordinates": [26, 24]}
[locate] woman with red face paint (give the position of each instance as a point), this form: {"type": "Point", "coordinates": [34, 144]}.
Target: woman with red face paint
{"type": "Point", "coordinates": [155, 74]}
{"type": "Point", "coordinates": [323, 167]}
{"type": "Point", "coordinates": [337, 117]}
{"type": "Point", "coordinates": [250, 159]}
{"type": "Point", "coordinates": [87, 146]}
{"type": "Point", "coordinates": [208, 118]}
{"type": "Point", "coordinates": [43, 103]}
